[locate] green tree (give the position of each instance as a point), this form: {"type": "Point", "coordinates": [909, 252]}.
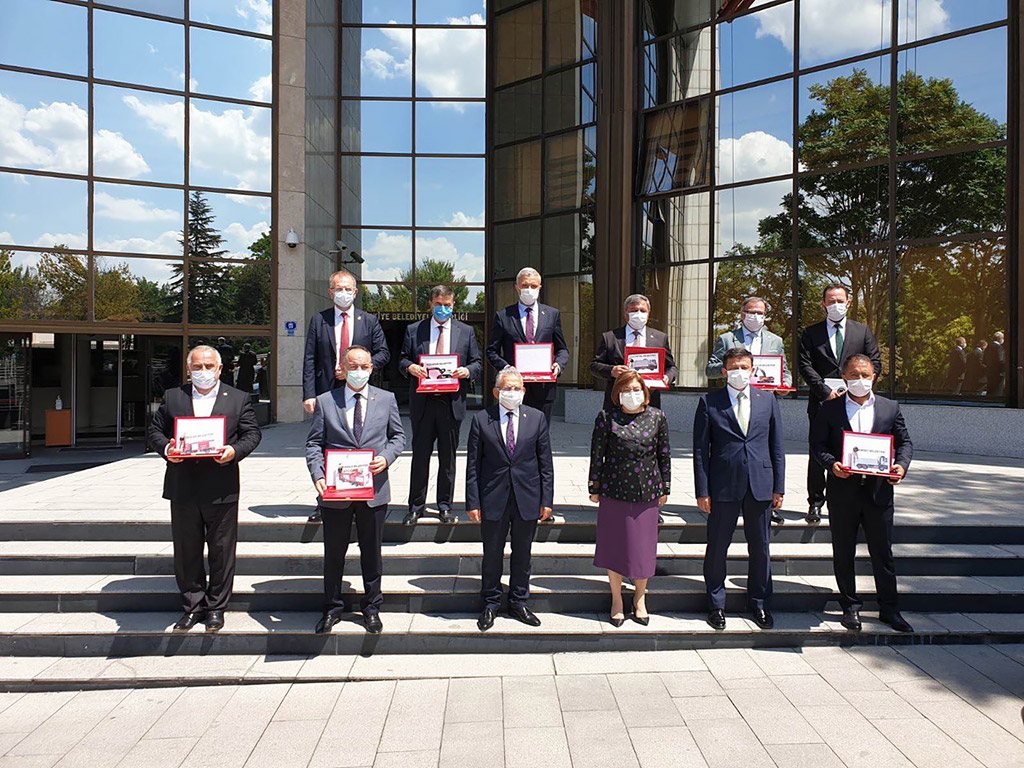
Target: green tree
{"type": "Point", "coordinates": [251, 286]}
{"type": "Point", "coordinates": [116, 293]}
{"type": "Point", "coordinates": [21, 291]}
{"type": "Point", "coordinates": [65, 278]}
{"type": "Point", "coordinates": [208, 282]}
{"type": "Point", "coordinates": [399, 297]}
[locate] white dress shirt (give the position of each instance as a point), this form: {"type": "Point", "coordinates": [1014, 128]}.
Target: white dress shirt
{"type": "Point", "coordinates": [337, 327]}
{"type": "Point", "coordinates": [753, 341]}
{"type": "Point", "coordinates": [734, 400]}
{"type": "Point", "coordinates": [202, 405]}
{"type": "Point", "coordinates": [446, 344]}
{"type": "Point", "coordinates": [640, 339]}
{"type": "Point", "coordinates": [862, 417]}
{"type": "Point", "coordinates": [504, 423]}
{"type": "Point", "coordinates": [832, 333]}
{"type": "Point", "coordinates": [350, 404]}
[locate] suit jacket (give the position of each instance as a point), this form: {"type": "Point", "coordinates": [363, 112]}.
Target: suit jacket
{"type": "Point", "coordinates": [995, 367]}
{"type": "Point", "coordinates": [463, 343]}
{"type": "Point", "coordinates": [204, 480]}
{"type": "Point", "coordinates": [827, 447]}
{"type": "Point", "coordinates": [957, 369]}
{"type": "Point", "coordinates": [611, 351]}
{"type": "Point", "coordinates": [321, 354]}
{"type": "Point", "coordinates": [725, 461]}
{"type": "Point", "coordinates": [507, 331]}
{"type": "Point", "coordinates": [492, 476]}
{"type": "Point", "coordinates": [771, 344]}
{"type": "Point", "coordinates": [817, 361]}
{"type": "Point", "coordinates": [974, 375]}
{"type": "Point", "coordinates": [382, 433]}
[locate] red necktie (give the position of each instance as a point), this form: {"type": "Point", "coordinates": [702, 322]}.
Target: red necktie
{"type": "Point", "coordinates": [343, 341]}
{"type": "Point", "coordinates": [439, 347]}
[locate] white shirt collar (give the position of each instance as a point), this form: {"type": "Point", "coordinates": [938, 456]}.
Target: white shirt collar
{"type": "Point", "coordinates": [630, 331]}
{"type": "Point", "coordinates": [852, 404]}
{"type": "Point", "coordinates": [197, 395]}
{"type": "Point", "coordinates": [734, 394]}
{"type": "Point", "coordinates": [523, 308]}
{"type": "Point", "coordinates": [350, 393]}
{"type": "Point", "coordinates": [446, 324]}
{"type": "Point", "coordinates": [505, 412]}
{"type": "Point", "coordinates": [832, 325]}
{"type": "Point", "coordinates": [338, 312]}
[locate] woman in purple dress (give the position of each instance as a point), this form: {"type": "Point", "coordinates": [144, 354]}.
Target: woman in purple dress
{"type": "Point", "coordinates": [630, 478]}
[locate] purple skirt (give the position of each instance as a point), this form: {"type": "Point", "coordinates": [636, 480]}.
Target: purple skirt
{"type": "Point", "coordinates": [627, 537]}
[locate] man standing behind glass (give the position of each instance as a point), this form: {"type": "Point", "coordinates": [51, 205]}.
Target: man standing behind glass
{"type": "Point", "coordinates": [437, 417]}
{"type": "Point", "coordinates": [330, 333]}
{"type": "Point", "coordinates": [823, 348]}
{"type": "Point", "coordinates": [530, 322]}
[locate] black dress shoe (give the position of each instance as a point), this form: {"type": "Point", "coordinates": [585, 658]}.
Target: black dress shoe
{"type": "Point", "coordinates": [327, 622]}
{"type": "Point", "coordinates": [896, 621]}
{"type": "Point", "coordinates": [412, 518]}
{"type": "Point", "coordinates": [617, 622]}
{"type": "Point", "coordinates": [446, 516]}
{"type": "Point", "coordinates": [716, 618]}
{"type": "Point", "coordinates": [316, 517]}
{"type": "Point", "coordinates": [814, 514]}
{"type": "Point", "coordinates": [777, 518]}
{"type": "Point", "coordinates": [373, 623]}
{"type": "Point", "coordinates": [763, 618]}
{"type": "Point", "coordinates": [523, 614]}
{"type": "Point", "coordinates": [851, 619]}
{"type": "Point", "coordinates": [486, 620]}
{"type": "Point", "coordinates": [214, 620]}
{"type": "Point", "coordinates": [187, 621]}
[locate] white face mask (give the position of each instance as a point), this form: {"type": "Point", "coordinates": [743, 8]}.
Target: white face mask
{"type": "Point", "coordinates": [204, 379]}
{"type": "Point", "coordinates": [859, 387]}
{"type": "Point", "coordinates": [753, 321]}
{"type": "Point", "coordinates": [357, 379]}
{"type": "Point", "coordinates": [529, 296]}
{"type": "Point", "coordinates": [738, 378]}
{"type": "Point", "coordinates": [511, 398]}
{"type": "Point", "coordinates": [344, 297]}
{"type": "Point", "coordinates": [836, 312]}
{"type": "Point", "coordinates": [637, 320]}
{"type": "Point", "coordinates": [631, 400]}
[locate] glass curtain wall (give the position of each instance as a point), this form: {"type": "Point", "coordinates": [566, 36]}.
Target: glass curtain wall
{"type": "Point", "coordinates": [808, 142]}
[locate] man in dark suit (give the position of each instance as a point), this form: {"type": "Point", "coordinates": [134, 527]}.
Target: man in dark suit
{"type": "Point", "coordinates": [995, 366]}
{"type": "Point", "coordinates": [856, 500]}
{"type": "Point", "coordinates": [330, 333]}
{"type": "Point", "coordinates": [610, 357]}
{"type": "Point", "coordinates": [204, 492]}
{"type": "Point", "coordinates": [957, 367]}
{"type": "Point", "coordinates": [974, 378]}
{"type": "Point", "coordinates": [528, 321]}
{"type": "Point", "coordinates": [227, 359]}
{"type": "Point", "coordinates": [437, 417]}
{"type": "Point", "coordinates": [739, 468]}
{"type": "Point", "coordinates": [823, 347]}
{"type": "Point", "coordinates": [355, 416]}
{"type": "Point", "coordinates": [509, 487]}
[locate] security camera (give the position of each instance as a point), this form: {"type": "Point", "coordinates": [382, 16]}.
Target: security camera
{"type": "Point", "coordinates": [356, 258]}
{"type": "Point", "coordinates": [291, 239]}
{"type": "Point", "coordinates": [340, 246]}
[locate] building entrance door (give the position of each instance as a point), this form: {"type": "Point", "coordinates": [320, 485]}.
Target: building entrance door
{"type": "Point", "coordinates": [15, 385]}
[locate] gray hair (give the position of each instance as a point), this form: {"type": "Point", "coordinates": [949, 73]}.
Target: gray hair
{"type": "Point", "coordinates": [528, 272]}
{"type": "Point", "coordinates": [441, 291]}
{"type": "Point", "coordinates": [203, 348]}
{"type": "Point", "coordinates": [751, 300]}
{"type": "Point", "coordinates": [504, 373]}
{"type": "Point", "coordinates": [635, 298]}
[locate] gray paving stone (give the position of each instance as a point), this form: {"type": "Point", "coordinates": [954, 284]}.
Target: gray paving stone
{"type": "Point", "coordinates": [31, 710]}
{"type": "Point", "coordinates": [29, 761]}
{"type": "Point", "coordinates": [165, 753]}
{"type": "Point", "coordinates": [842, 671]}
{"type": "Point", "coordinates": [392, 666]}
{"type": "Point", "coordinates": [730, 663]}
{"type": "Point", "coordinates": [665, 747]}
{"type": "Point", "coordinates": [604, 662]}
{"type": "Point", "coordinates": [996, 666]}
{"type": "Point", "coordinates": [804, 756]}
{"type": "Point", "coordinates": [308, 701]}
{"type": "Point", "coordinates": [643, 699]}
{"type": "Point", "coordinates": [780, 661]}
{"type": "Point", "coordinates": [536, 748]}
{"type": "Point", "coordinates": [70, 723]}
{"type": "Point", "coordinates": [885, 663]}
{"type": "Point", "coordinates": [530, 702]}
{"type": "Point", "coordinates": [772, 718]}
{"type": "Point", "coordinates": [923, 742]}
{"type": "Point", "coordinates": [416, 718]}
{"type": "Point", "coordinates": [581, 693]}
{"type": "Point", "coordinates": [881, 705]}
{"type": "Point", "coordinates": [472, 745]}
{"type": "Point", "coordinates": [198, 704]}
{"type": "Point", "coordinates": [697, 708]}
{"type": "Point", "coordinates": [420, 759]}
{"type": "Point", "coordinates": [729, 743]}
{"type": "Point", "coordinates": [286, 742]}
{"type": "Point", "coordinates": [474, 700]}
{"type": "Point", "coordinates": [808, 690]}
{"type": "Point", "coordinates": [691, 684]}
{"type": "Point", "coordinates": [855, 740]}
{"type": "Point", "coordinates": [237, 728]}
{"type": "Point", "coordinates": [598, 740]}
{"type": "Point", "coordinates": [341, 745]}
{"type": "Point", "coordinates": [971, 729]}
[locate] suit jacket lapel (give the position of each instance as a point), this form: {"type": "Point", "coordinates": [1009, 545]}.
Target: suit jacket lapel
{"type": "Point", "coordinates": [725, 404]}
{"type": "Point", "coordinates": [423, 337]}
{"type": "Point", "coordinates": [220, 403]}
{"type": "Point", "coordinates": [358, 324]}
{"type": "Point", "coordinates": [496, 423]}
{"type": "Point", "coordinates": [826, 342]}
{"type": "Point", "coordinates": [620, 344]}
{"type": "Point", "coordinates": [328, 316]}
{"type": "Point", "coordinates": [513, 315]}
{"type": "Point", "coordinates": [339, 400]}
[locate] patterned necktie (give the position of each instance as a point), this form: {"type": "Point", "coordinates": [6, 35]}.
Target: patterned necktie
{"type": "Point", "coordinates": [510, 435]}
{"type": "Point", "coordinates": [357, 419]}
{"type": "Point", "coordinates": [439, 346]}
{"type": "Point", "coordinates": [636, 339]}
{"type": "Point", "coordinates": [530, 331]}
{"type": "Point", "coordinates": [343, 339]}
{"type": "Point", "coordinates": [839, 342]}
{"type": "Point", "coordinates": [743, 411]}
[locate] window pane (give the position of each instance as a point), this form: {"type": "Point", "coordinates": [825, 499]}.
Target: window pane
{"type": "Point", "coordinates": [678, 68]}
{"type": "Point", "coordinates": [441, 273]}
{"type": "Point", "coordinates": [251, 16]}
{"type": "Point", "coordinates": [133, 49]}
{"type": "Point", "coordinates": [749, 51]}
{"type": "Point", "coordinates": [517, 40]}
{"type": "Point", "coordinates": [249, 375]}
{"type": "Point", "coordinates": [450, 63]}
{"type": "Point", "coordinates": [243, 221]}
{"type": "Point", "coordinates": [574, 297]}
{"type": "Point", "coordinates": [384, 66]}
{"type": "Point", "coordinates": [138, 135]}
{"type": "Point", "coordinates": [831, 30]}
{"type": "Point", "coordinates": [450, 192]}
{"type": "Point", "coordinates": [571, 30]}
{"type": "Point", "coordinates": [137, 290]}
{"type": "Point", "coordinates": [388, 255]}
{"type": "Point", "coordinates": [953, 93]}
{"type": "Point", "coordinates": [464, 251]}
{"type": "Point", "coordinates": [570, 98]}
{"type": "Point", "coordinates": [450, 12]}
{"type": "Point", "coordinates": [44, 35]}
{"type": "Point", "coordinates": [43, 286]}
{"type": "Point", "coordinates": [844, 115]}
{"type": "Point", "coordinates": [755, 133]}
{"type": "Point", "coordinates": [228, 294]}
{"type": "Point", "coordinates": [45, 123]}
{"type": "Point", "coordinates": [919, 19]}
{"type": "Point", "coordinates": [230, 65]}
{"type": "Point", "coordinates": [450, 127]}
{"type": "Point", "coordinates": [376, 126]}
{"type": "Point", "coordinates": [382, 299]}
{"type": "Point", "coordinates": [844, 208]}
{"type": "Point", "coordinates": [515, 246]}
{"type": "Point", "coordinates": [46, 212]}
{"type": "Point", "coordinates": [569, 243]}
{"type": "Point", "coordinates": [230, 145]}
{"type": "Point", "coordinates": [138, 219]}
{"type": "Point", "coordinates": [376, 11]}
{"type": "Point", "coordinates": [676, 149]}
{"type": "Point", "coordinates": [569, 170]}
{"type": "Point", "coordinates": [679, 307]}
{"type": "Point", "coordinates": [161, 7]}
{"type": "Point", "coordinates": [754, 218]}
{"type": "Point", "coordinates": [676, 229]}
{"type": "Point", "coordinates": [661, 17]}
{"type": "Point", "coordinates": [378, 191]}
{"type": "Point", "coordinates": [517, 112]}
{"type": "Point", "coordinates": [517, 179]}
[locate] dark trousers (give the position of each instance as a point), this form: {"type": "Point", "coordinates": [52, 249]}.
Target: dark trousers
{"type": "Point", "coordinates": [194, 524]}
{"type": "Point", "coordinates": [337, 533]}
{"type": "Point", "coordinates": [437, 424]}
{"type": "Point", "coordinates": [846, 514]}
{"type": "Point", "coordinates": [815, 472]}
{"type": "Point", "coordinates": [721, 525]}
{"type": "Point", "coordinates": [537, 397]}
{"type": "Point", "coordinates": [494, 531]}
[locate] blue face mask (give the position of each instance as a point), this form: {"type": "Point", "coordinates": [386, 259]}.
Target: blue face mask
{"type": "Point", "coordinates": [442, 312]}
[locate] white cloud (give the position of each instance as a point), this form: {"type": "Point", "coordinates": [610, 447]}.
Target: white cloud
{"type": "Point", "coordinates": [6, 237]}
{"type": "Point", "coordinates": [51, 137]}
{"type": "Point", "coordinates": [258, 12]}
{"type": "Point", "coordinates": [131, 209]}
{"type": "Point", "coordinates": [440, 248]}
{"type": "Point", "coordinates": [460, 219]}
{"type": "Point", "coordinates": [251, 201]}
{"type": "Point", "coordinates": [753, 155]}
{"type": "Point", "coordinates": [168, 242]}
{"type": "Point", "coordinates": [262, 89]}
{"type": "Point", "coordinates": [166, 118]}
{"type": "Point", "coordinates": [238, 237]}
{"type": "Point", "coordinates": [115, 156]}
{"type": "Point", "coordinates": [74, 240]}
{"type": "Point", "coordinates": [387, 256]}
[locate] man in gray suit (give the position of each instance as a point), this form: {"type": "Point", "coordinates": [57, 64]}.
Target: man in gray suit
{"type": "Point", "coordinates": [355, 416]}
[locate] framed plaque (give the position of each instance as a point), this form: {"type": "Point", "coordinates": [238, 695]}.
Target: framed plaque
{"type": "Point", "coordinates": [535, 361]}
{"type": "Point", "coordinates": [440, 373]}
{"type": "Point", "coordinates": [347, 474]}
{"type": "Point", "coordinates": [198, 437]}
{"type": "Point", "coordinates": [769, 373]}
{"type": "Point", "coordinates": [836, 385]}
{"type": "Point", "coordinates": [866, 453]}
{"type": "Point", "coordinates": [649, 362]}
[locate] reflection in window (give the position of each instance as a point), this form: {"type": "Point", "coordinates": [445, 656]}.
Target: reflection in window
{"type": "Point", "coordinates": [253, 17]}
{"type": "Point", "coordinates": [43, 286]}
{"type": "Point", "coordinates": [382, 191]}
{"type": "Point", "coordinates": [842, 208]}
{"type": "Point", "coordinates": [138, 135]}
{"type": "Point", "coordinates": [517, 112]}
{"type": "Point", "coordinates": [449, 12]}
{"type": "Point", "coordinates": [248, 77]}
{"type": "Point", "coordinates": [230, 145]}
{"type": "Point", "coordinates": [515, 246]}
{"type": "Point", "coordinates": [448, 62]}
{"type": "Point", "coordinates": [174, 8]}
{"type": "Point", "coordinates": [569, 243]}
{"type": "Point", "coordinates": [449, 192]}
{"type": "Point", "coordinates": [677, 68]}
{"type": "Point", "coordinates": [44, 35]}
{"type": "Point", "coordinates": [133, 49]}
{"type": "Point", "coordinates": [574, 297]}
{"type": "Point", "coordinates": [662, 17]}
{"type": "Point", "coordinates": [754, 218]}
{"type": "Point", "coordinates": [569, 170]}
{"type": "Point", "coordinates": [571, 31]}
{"type": "Point", "coordinates": [134, 219]}
{"type": "Point", "coordinates": [247, 358]}
{"type": "Point", "coordinates": [244, 223]}
{"type": "Point", "coordinates": [830, 31]}
{"type": "Point", "coordinates": [748, 51]}
{"type": "Point", "coordinates": [45, 123]}
{"type": "Point", "coordinates": [42, 211]}
{"type": "Point", "coordinates": [517, 42]}
{"type": "Point", "coordinates": [920, 19]}
{"type": "Point", "coordinates": [679, 307]}
{"type": "Point", "coordinates": [570, 98]}
{"type": "Point", "coordinates": [676, 152]}
{"type": "Point", "coordinates": [136, 290]}
{"type": "Point", "coordinates": [388, 255]}
{"type": "Point", "coordinates": [450, 127]}
{"type": "Point", "coordinates": [384, 63]}
{"type": "Point", "coordinates": [462, 251]}
{"type": "Point", "coordinates": [675, 229]}
{"type": "Point", "coordinates": [755, 133]}
{"type": "Point", "coordinates": [376, 126]}
{"type": "Point", "coordinates": [374, 11]}
{"type": "Point", "coordinates": [517, 180]}
{"type": "Point", "coordinates": [221, 293]}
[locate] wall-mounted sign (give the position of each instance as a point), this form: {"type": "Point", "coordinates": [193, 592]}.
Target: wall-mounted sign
{"type": "Point", "coordinates": [290, 326]}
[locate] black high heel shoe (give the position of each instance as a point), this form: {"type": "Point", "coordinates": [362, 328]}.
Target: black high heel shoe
{"type": "Point", "coordinates": [641, 620]}
{"type": "Point", "coordinates": [617, 622]}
